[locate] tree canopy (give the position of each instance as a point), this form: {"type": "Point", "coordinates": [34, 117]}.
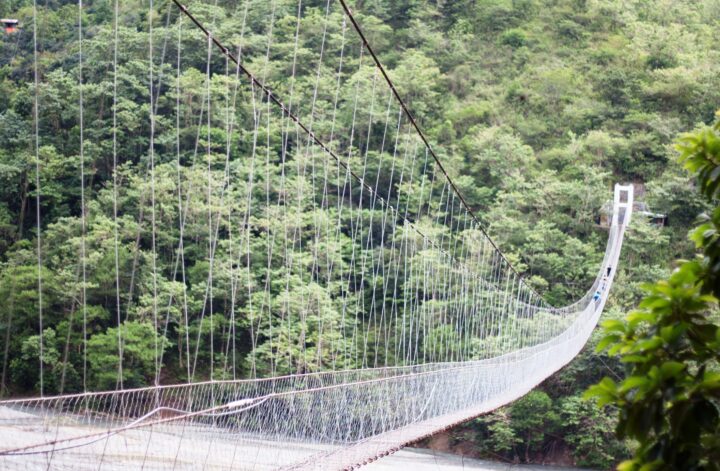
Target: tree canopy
{"type": "Point", "coordinates": [536, 108]}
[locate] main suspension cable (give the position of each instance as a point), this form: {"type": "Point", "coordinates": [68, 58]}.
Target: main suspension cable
{"type": "Point", "coordinates": [292, 116]}
{"type": "Point", "coordinates": [412, 120]}
{"type": "Point", "coordinates": [287, 112]}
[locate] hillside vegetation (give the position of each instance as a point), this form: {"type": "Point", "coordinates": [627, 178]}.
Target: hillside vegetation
{"type": "Point", "coordinates": [536, 107]}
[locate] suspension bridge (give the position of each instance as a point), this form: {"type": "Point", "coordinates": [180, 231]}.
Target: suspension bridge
{"type": "Point", "coordinates": [362, 304]}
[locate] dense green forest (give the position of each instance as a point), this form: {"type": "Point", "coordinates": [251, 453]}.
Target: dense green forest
{"type": "Point", "coordinates": [537, 107]}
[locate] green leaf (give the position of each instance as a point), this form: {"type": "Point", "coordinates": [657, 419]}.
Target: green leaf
{"type": "Point", "coordinates": [628, 465]}
{"type": "Point", "coordinates": [634, 358]}
{"type": "Point", "coordinates": [649, 344]}
{"type": "Point", "coordinates": [650, 466]}
{"type": "Point", "coordinates": [614, 325]}
{"type": "Point", "coordinates": [606, 341]}
{"type": "Point", "coordinates": [671, 369]}
{"type": "Point", "coordinates": [632, 382]}
{"type": "Point", "coordinates": [711, 380]}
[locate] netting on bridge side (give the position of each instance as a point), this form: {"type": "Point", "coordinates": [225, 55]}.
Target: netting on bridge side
{"type": "Point", "coordinates": [344, 300]}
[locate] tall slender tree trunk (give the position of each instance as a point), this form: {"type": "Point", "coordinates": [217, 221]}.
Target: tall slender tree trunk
{"type": "Point", "coordinates": [23, 206]}
{"type": "Point", "coordinates": [6, 352]}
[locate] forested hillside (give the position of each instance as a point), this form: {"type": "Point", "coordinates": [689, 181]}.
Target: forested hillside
{"type": "Point", "coordinates": [536, 108]}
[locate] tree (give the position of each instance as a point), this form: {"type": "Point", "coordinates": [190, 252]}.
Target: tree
{"type": "Point", "coordinates": [670, 400]}
{"type": "Point", "coordinates": [533, 418]}
{"type": "Point", "coordinates": [589, 432]}
{"type": "Point", "coordinates": [58, 376]}
{"type": "Point", "coordinates": [534, 108]}
{"type": "Point", "coordinates": [138, 355]}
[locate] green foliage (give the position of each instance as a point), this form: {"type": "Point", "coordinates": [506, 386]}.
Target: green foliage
{"type": "Point", "coordinates": [536, 109]}
{"type": "Point", "coordinates": [496, 434]}
{"type": "Point", "coordinates": [139, 342]}
{"type": "Point", "coordinates": [533, 417]}
{"type": "Point", "coordinates": [514, 38]}
{"type": "Point", "coordinates": [57, 374]}
{"type": "Point", "coordinates": [589, 431]}
{"type": "Point", "coordinates": [669, 401]}
{"type": "Point", "coordinates": [536, 424]}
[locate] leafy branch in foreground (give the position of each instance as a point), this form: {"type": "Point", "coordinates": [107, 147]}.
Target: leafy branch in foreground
{"type": "Point", "coordinates": [669, 402]}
